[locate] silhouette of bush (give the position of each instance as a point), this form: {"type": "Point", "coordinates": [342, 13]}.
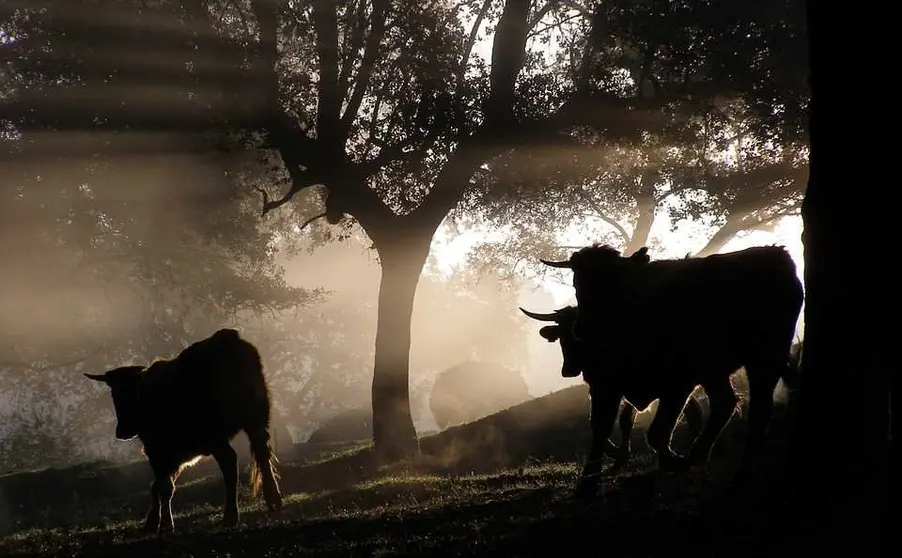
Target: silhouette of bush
{"type": "Point", "coordinates": [472, 390]}
{"type": "Point", "coordinates": [347, 426]}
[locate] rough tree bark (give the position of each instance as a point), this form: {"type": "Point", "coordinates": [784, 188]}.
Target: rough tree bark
{"type": "Point", "coordinates": [841, 466]}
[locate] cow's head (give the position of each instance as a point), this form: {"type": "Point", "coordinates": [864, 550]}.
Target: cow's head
{"type": "Point", "coordinates": [564, 332]}
{"type": "Point", "coordinates": [600, 272]}
{"type": "Point", "coordinates": [125, 388]}
{"type": "Point", "coordinates": [599, 262]}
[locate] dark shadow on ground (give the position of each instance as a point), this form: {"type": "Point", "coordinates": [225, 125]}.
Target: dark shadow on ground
{"type": "Point", "coordinates": [500, 486]}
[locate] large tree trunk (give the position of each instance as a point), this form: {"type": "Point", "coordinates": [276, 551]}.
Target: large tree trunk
{"type": "Point", "coordinates": [402, 258]}
{"type": "Point", "coordinates": [842, 462]}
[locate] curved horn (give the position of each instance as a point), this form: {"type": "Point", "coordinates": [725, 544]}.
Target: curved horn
{"type": "Point", "coordinates": [550, 317]}
{"type": "Point", "coordinates": [564, 264]}
{"type": "Point", "coordinates": [96, 377]}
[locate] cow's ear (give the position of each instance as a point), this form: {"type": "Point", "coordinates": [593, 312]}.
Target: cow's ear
{"type": "Point", "coordinates": [641, 255]}
{"type": "Point", "coordinates": [551, 333]}
{"type": "Point", "coordinates": [97, 377]}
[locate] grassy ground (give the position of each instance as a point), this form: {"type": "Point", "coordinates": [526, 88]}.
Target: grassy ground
{"type": "Point", "coordinates": [499, 486]}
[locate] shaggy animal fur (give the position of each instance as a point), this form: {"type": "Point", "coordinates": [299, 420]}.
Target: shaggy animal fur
{"type": "Point", "coordinates": [192, 406]}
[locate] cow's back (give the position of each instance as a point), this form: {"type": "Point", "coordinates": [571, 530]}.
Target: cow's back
{"type": "Point", "coordinates": [215, 386]}
{"type": "Point", "coordinates": [717, 308]}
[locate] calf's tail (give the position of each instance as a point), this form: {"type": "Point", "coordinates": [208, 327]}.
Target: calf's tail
{"type": "Point", "coordinates": [263, 469]}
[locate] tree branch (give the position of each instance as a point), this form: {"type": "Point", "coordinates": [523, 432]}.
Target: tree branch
{"type": "Point", "coordinates": [578, 7]}
{"type": "Point", "coordinates": [367, 63]}
{"type": "Point", "coordinates": [357, 27]}
{"type": "Point", "coordinates": [624, 236]}
{"type": "Point", "coordinates": [310, 220]}
{"type": "Point", "coordinates": [508, 57]}
{"type": "Point", "coordinates": [542, 12]}
{"type": "Point", "coordinates": [328, 96]}
{"type": "Point", "coordinates": [471, 40]}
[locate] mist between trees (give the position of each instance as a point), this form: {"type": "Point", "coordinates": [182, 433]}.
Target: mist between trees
{"type": "Point", "coordinates": [141, 141]}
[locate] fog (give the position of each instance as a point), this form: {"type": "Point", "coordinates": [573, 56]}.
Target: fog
{"type": "Point", "coordinates": [132, 257]}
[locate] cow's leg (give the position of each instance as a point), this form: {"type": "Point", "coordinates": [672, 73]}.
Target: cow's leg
{"type": "Point", "coordinates": [762, 382]}
{"type": "Point", "coordinates": [159, 518]}
{"type": "Point", "coordinates": [604, 405]}
{"type": "Point", "coordinates": [152, 521]}
{"type": "Point", "coordinates": [722, 402]}
{"type": "Point", "coordinates": [621, 454]}
{"type": "Point", "coordinates": [227, 460]}
{"type": "Point", "coordinates": [661, 429]}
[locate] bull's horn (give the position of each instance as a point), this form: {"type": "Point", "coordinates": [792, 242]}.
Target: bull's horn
{"type": "Point", "coordinates": [96, 377]}
{"type": "Point", "coordinates": [564, 264]}
{"type": "Point", "coordinates": [551, 317]}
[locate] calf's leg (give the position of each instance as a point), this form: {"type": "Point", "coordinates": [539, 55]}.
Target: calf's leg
{"type": "Point", "coordinates": [166, 488]}
{"type": "Point", "coordinates": [227, 460]}
{"type": "Point", "coordinates": [159, 517]}
{"type": "Point", "coordinates": [152, 521]}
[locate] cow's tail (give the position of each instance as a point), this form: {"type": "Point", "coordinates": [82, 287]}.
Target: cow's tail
{"type": "Point", "coordinates": [263, 468]}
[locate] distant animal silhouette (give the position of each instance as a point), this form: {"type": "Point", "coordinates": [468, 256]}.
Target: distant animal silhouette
{"type": "Point", "coordinates": [192, 406]}
{"type": "Point", "coordinates": [473, 389]}
{"type": "Point", "coordinates": [648, 330]}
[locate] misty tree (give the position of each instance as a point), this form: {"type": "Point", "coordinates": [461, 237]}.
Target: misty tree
{"type": "Point", "coordinates": [322, 362]}
{"type": "Point", "coordinates": [118, 245]}
{"type": "Point", "coordinates": [734, 158]}
{"type": "Point", "coordinates": [619, 191]}
{"type": "Point", "coordinates": [388, 112]}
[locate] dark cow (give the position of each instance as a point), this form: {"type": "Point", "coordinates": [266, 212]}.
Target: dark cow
{"type": "Point", "coordinates": [701, 320]}
{"type": "Point", "coordinates": [192, 406]}
{"type": "Point", "coordinates": [572, 352]}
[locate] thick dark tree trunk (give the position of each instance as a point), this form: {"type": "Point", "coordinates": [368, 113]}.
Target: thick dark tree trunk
{"type": "Point", "coordinates": [402, 258]}
{"type": "Point", "coordinates": [842, 462]}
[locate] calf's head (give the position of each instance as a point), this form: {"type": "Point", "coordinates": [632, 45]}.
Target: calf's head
{"type": "Point", "coordinates": [125, 388]}
{"type": "Point", "coordinates": [564, 332]}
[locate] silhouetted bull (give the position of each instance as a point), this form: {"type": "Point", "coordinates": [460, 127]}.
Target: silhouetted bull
{"type": "Point", "coordinates": [700, 319]}
{"type": "Point", "coordinates": [192, 406]}
{"type": "Point", "coordinates": [571, 350]}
